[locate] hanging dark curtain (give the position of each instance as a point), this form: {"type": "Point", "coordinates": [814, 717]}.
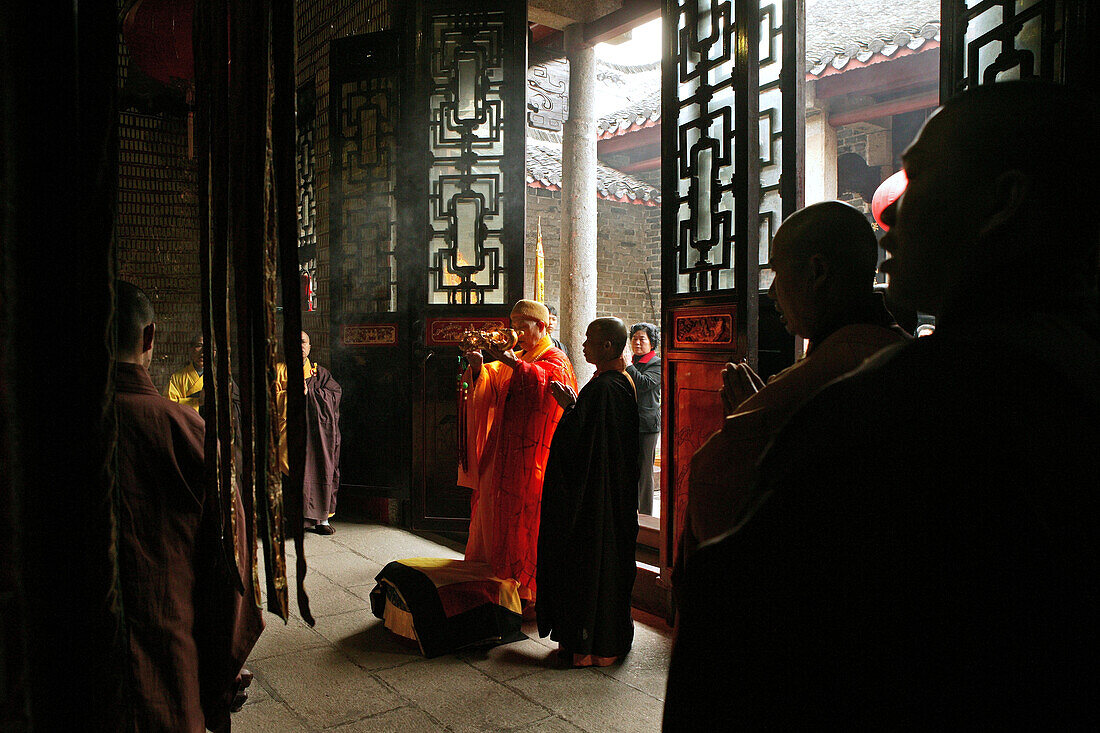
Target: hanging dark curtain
{"type": "Point", "coordinates": [244, 134]}
{"type": "Point", "coordinates": [58, 178]}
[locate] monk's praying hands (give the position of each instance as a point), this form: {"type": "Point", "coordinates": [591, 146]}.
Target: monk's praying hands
{"type": "Point", "coordinates": [563, 393]}
{"type": "Point", "coordinates": [739, 382]}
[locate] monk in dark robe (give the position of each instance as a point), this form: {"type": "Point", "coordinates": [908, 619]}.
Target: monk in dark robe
{"type": "Point", "coordinates": [589, 521]}
{"type": "Point", "coordinates": [922, 553]}
{"type": "Point", "coordinates": [322, 472]}
{"type": "Point", "coordinates": [189, 628]}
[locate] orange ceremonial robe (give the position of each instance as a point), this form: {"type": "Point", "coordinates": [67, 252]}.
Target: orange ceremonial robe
{"type": "Point", "coordinates": [510, 420]}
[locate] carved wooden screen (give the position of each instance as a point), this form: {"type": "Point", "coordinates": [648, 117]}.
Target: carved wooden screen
{"type": "Point", "coordinates": [711, 154]}
{"type": "Point", "coordinates": [462, 186]}
{"type": "Point", "coordinates": [369, 301]}
{"type": "Point", "coordinates": [306, 164]}
{"type": "Point", "coordinates": [782, 121]}
{"type": "Point", "coordinates": [364, 98]}
{"type": "Point", "coordinates": [475, 195]}
{"type": "Point", "coordinates": [997, 40]}
{"type": "Point", "coordinates": [731, 171]}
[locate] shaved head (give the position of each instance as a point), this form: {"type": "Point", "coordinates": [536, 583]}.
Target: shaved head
{"type": "Point", "coordinates": [998, 192]}
{"type": "Point", "coordinates": [614, 330]}
{"type": "Point", "coordinates": [133, 312]}
{"type": "Point", "coordinates": [836, 231]}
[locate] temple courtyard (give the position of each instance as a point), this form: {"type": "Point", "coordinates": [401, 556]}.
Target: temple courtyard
{"type": "Point", "coordinates": [349, 673]}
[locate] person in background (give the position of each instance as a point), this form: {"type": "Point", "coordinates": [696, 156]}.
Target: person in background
{"type": "Point", "coordinates": [645, 370]}
{"type": "Point", "coordinates": [185, 386]}
{"type": "Point", "coordinates": [589, 527]}
{"type": "Point", "coordinates": [322, 470]}
{"type": "Point", "coordinates": [552, 329]}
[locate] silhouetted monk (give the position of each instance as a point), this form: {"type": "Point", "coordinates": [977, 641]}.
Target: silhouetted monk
{"type": "Point", "coordinates": [321, 479]}
{"type": "Point", "coordinates": [823, 257]}
{"type": "Point", "coordinates": [189, 630]}
{"type": "Point", "coordinates": [924, 553]}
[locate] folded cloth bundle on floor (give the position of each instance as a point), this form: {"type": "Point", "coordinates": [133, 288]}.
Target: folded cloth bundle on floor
{"type": "Point", "coordinates": [445, 605]}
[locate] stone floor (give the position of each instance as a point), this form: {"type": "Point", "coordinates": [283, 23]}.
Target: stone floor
{"type": "Point", "coordinates": [348, 673]}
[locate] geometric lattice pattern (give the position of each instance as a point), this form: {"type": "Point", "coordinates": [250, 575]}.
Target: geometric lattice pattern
{"type": "Point", "coordinates": [1007, 39]}
{"type": "Point", "coordinates": [366, 269]}
{"type": "Point", "coordinates": [705, 155]}
{"type": "Point", "coordinates": [306, 164]}
{"type": "Point", "coordinates": [466, 140]}
{"type": "Point", "coordinates": [547, 95]}
{"type": "Point", "coordinates": [772, 100]}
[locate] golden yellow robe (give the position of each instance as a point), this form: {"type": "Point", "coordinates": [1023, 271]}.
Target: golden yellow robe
{"type": "Point", "coordinates": [309, 369]}
{"type": "Point", "coordinates": [185, 387]}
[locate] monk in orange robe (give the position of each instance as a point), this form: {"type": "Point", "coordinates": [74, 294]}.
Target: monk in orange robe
{"type": "Point", "coordinates": [510, 419]}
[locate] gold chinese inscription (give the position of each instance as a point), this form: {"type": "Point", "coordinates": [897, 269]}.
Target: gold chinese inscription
{"type": "Point", "coordinates": [370, 334]}
{"type": "Point", "coordinates": [449, 331]}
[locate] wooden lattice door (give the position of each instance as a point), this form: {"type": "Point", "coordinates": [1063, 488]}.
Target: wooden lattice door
{"type": "Point", "coordinates": [732, 128]}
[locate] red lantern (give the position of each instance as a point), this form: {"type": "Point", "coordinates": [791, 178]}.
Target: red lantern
{"type": "Point", "coordinates": [158, 37]}
{"type": "Point", "coordinates": [888, 192]}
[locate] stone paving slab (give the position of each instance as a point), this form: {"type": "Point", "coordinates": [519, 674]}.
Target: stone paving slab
{"type": "Point", "coordinates": [552, 724]}
{"type": "Point", "coordinates": [384, 544]}
{"type": "Point", "coordinates": [451, 690]}
{"type": "Point", "coordinates": [349, 673]}
{"type": "Point", "coordinates": [345, 568]}
{"type": "Point", "coordinates": [279, 638]}
{"type": "Point", "coordinates": [646, 666]}
{"type": "Point", "coordinates": [327, 598]}
{"type": "Point", "coordinates": [402, 720]}
{"type": "Point", "coordinates": [510, 661]}
{"type": "Point", "coordinates": [364, 640]}
{"type": "Point", "coordinates": [592, 700]}
{"type": "Point", "coordinates": [267, 716]}
{"type": "Point", "coordinates": [324, 687]}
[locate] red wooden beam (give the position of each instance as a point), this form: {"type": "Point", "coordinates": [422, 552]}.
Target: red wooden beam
{"type": "Point", "coordinates": [540, 32]}
{"type": "Point", "coordinates": [638, 166]}
{"type": "Point", "coordinates": [629, 141]}
{"type": "Point", "coordinates": [927, 100]}
{"type": "Point", "coordinates": [915, 69]}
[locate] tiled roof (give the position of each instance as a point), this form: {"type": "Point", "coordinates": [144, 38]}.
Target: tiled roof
{"type": "Point", "coordinates": [544, 171]}
{"type": "Point", "coordinates": [843, 33]}
{"type": "Point", "coordinates": [839, 34]}
{"type": "Point", "coordinates": [644, 113]}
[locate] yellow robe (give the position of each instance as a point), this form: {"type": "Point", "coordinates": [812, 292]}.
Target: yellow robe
{"type": "Point", "coordinates": [185, 387]}
{"type": "Point", "coordinates": [309, 369]}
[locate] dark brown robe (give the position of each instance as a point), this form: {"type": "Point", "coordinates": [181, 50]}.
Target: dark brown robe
{"type": "Point", "coordinates": [923, 554]}
{"type": "Point", "coordinates": [189, 630]}
{"type": "Point", "coordinates": [322, 475]}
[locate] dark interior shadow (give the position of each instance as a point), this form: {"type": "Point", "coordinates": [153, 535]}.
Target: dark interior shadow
{"type": "Point", "coordinates": [375, 638]}
{"type": "Point", "coordinates": [509, 656]}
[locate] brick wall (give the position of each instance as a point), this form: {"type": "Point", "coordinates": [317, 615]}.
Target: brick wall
{"type": "Point", "coordinates": [628, 251]}
{"type": "Point", "coordinates": [158, 230]}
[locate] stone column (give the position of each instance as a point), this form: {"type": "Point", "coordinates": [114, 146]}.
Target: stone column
{"type": "Point", "coordinates": [820, 159]}
{"type": "Point", "coordinates": [578, 197]}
